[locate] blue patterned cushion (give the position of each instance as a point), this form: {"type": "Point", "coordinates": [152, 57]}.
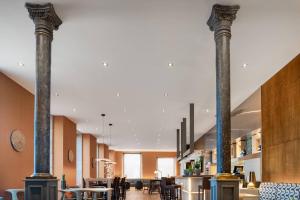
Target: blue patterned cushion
{"type": "Point", "coordinates": [267, 191]}
{"type": "Point", "coordinates": [288, 191]}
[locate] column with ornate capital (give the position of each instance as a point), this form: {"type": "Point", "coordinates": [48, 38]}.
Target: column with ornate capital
{"type": "Point", "coordinates": [224, 186]}
{"type": "Point", "coordinates": [42, 185]}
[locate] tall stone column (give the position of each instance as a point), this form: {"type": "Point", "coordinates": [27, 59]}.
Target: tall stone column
{"type": "Point", "coordinates": [42, 185]}
{"type": "Point", "coordinates": [220, 22]}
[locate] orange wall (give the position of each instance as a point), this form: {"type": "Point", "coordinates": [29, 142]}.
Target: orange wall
{"type": "Point", "coordinates": [69, 144]}
{"type": "Point", "coordinates": [16, 112]}
{"type": "Point", "coordinates": [148, 162]}
{"type": "Point", "coordinates": [119, 163]}
{"type": "Point", "coordinates": [103, 152]}
{"type": "Point", "coordinates": [89, 153]}
{"type": "Point", "coordinates": [93, 154]}
{"type": "Point", "coordinates": [64, 139]}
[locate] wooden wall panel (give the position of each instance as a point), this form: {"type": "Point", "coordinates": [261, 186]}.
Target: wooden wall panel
{"type": "Point", "coordinates": [281, 125]}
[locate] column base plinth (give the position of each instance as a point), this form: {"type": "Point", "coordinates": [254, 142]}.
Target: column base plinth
{"type": "Point", "coordinates": [224, 187]}
{"type": "Point", "coordinates": [41, 188]}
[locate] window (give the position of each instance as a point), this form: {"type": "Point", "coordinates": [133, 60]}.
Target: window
{"type": "Point", "coordinates": [166, 167]}
{"type": "Point", "coordinates": [132, 165]}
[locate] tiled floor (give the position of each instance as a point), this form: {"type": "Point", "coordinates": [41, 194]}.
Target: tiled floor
{"type": "Point", "coordinates": [140, 195]}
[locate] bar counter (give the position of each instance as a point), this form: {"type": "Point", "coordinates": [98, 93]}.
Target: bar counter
{"type": "Point", "coordinates": [190, 185]}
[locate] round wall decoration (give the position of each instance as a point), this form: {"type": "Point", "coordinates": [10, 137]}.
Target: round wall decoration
{"type": "Point", "coordinates": [70, 155]}
{"type": "Point", "coordinates": [17, 140]}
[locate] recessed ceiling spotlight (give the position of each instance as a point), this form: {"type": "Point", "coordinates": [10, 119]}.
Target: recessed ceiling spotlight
{"type": "Point", "coordinates": [244, 65]}
{"type": "Point", "coordinates": [165, 94]}
{"type": "Point", "coordinates": [118, 94]}
{"type": "Point", "coordinates": [74, 109]}
{"type": "Point", "coordinates": [207, 110]}
{"type": "Point", "coordinates": [20, 64]}
{"type": "Point", "coordinates": [163, 110]}
{"type": "Point", "coordinates": [105, 64]}
{"type": "Point", "coordinates": [170, 64]}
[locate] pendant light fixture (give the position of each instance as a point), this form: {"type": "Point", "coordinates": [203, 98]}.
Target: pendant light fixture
{"type": "Point", "coordinates": [110, 127]}
{"type": "Point", "coordinates": [103, 125]}
{"type": "Point", "coordinates": [105, 160]}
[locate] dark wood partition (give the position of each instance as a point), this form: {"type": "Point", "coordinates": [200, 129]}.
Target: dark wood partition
{"type": "Point", "coordinates": [281, 125]}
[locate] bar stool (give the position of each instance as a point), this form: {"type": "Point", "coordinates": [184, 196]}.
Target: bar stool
{"type": "Point", "coordinates": [177, 192]}
{"type": "Point", "coordinates": [200, 192]}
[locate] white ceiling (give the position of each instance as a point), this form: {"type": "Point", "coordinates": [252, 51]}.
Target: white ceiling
{"type": "Point", "coordinates": [138, 38]}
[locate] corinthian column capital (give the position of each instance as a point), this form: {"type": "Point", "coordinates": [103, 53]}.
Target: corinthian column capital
{"type": "Point", "coordinates": [44, 17]}
{"type": "Point", "coordinates": [221, 18]}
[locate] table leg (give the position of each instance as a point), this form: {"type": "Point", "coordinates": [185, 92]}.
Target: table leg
{"type": "Point", "coordinates": [62, 195]}
{"type": "Point", "coordinates": [14, 196]}
{"type": "Point", "coordinates": [78, 195]}
{"type": "Point", "coordinates": [94, 194]}
{"type": "Point", "coordinates": [108, 195]}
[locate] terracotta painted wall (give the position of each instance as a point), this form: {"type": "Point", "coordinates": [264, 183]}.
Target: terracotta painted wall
{"type": "Point", "coordinates": [148, 162]}
{"type": "Point", "coordinates": [281, 125]}
{"type": "Point", "coordinates": [89, 154]}
{"type": "Point", "coordinates": [16, 112]}
{"type": "Point", "coordinates": [64, 139]}
{"type": "Point", "coordinates": [119, 163]}
{"type": "Point", "coordinates": [103, 152]}
{"type": "Point", "coordinates": [70, 134]}
{"type": "Point", "coordinates": [100, 164]}
{"type": "Point", "coordinates": [57, 143]}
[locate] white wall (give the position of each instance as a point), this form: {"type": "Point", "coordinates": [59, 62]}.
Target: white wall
{"type": "Point", "coordinates": [253, 165]}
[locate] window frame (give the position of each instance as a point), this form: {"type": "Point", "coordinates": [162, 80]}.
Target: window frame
{"type": "Point", "coordinates": [169, 157]}
{"type": "Point", "coordinates": [141, 162]}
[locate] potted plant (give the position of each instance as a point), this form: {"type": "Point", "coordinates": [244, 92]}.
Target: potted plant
{"type": "Point", "coordinates": [186, 172]}
{"type": "Point", "coordinates": [197, 166]}
{"type": "Point", "coordinates": [190, 171]}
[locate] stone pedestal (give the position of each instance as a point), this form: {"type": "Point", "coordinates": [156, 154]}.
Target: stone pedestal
{"type": "Point", "coordinates": [224, 189]}
{"type": "Point", "coordinates": [40, 189]}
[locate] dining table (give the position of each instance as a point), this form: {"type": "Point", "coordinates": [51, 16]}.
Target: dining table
{"type": "Point", "coordinates": [79, 191]}
{"type": "Point", "coordinates": [154, 185]}
{"type": "Point", "coordinates": [14, 193]}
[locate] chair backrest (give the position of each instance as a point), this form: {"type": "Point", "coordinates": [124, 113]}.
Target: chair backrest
{"type": "Point", "coordinates": [139, 185]}
{"type": "Point", "coordinates": [163, 183]}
